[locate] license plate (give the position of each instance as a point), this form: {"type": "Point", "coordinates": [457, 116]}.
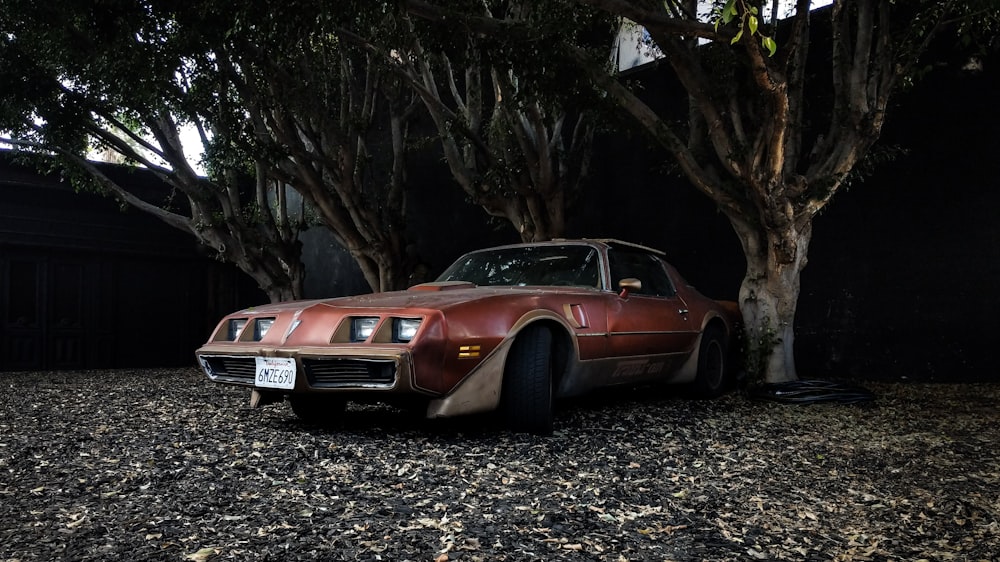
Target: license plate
{"type": "Point", "coordinates": [275, 372]}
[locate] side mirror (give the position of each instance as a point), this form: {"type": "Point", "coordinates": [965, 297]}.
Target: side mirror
{"type": "Point", "coordinates": [629, 284]}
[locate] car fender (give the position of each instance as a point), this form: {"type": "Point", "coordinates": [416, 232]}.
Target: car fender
{"type": "Point", "coordinates": [689, 370]}
{"type": "Point", "coordinates": [479, 391]}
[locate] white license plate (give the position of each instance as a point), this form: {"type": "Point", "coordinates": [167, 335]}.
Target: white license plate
{"type": "Point", "coordinates": [275, 372]}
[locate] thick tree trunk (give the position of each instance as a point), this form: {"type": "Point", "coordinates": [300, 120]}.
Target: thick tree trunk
{"type": "Point", "coordinates": [281, 294]}
{"type": "Point", "coordinates": [391, 273]}
{"type": "Point", "coordinates": [386, 269]}
{"type": "Point", "coordinates": [769, 295]}
{"type": "Point", "coordinates": [279, 287]}
{"type": "Point", "coordinates": [537, 217]}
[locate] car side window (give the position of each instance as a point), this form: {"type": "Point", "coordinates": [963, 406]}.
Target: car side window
{"type": "Point", "coordinates": [645, 267]}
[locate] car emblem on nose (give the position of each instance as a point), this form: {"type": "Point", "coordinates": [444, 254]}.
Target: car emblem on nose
{"type": "Point", "coordinates": [295, 324]}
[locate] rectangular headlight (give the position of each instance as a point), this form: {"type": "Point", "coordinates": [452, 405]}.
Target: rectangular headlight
{"type": "Point", "coordinates": [236, 326]}
{"type": "Point", "coordinates": [362, 328]}
{"type": "Point", "coordinates": [404, 329]}
{"type": "Point", "coordinates": [261, 326]}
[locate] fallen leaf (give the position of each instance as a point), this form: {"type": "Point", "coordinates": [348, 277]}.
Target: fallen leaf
{"type": "Point", "coordinates": [202, 555]}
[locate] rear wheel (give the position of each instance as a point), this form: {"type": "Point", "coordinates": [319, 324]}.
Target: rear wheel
{"type": "Point", "coordinates": [712, 379]}
{"type": "Point", "coordinates": [526, 396]}
{"type": "Point", "coordinates": [317, 409]}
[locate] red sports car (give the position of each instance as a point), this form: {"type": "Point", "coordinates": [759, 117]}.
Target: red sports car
{"type": "Point", "coordinates": [509, 328]}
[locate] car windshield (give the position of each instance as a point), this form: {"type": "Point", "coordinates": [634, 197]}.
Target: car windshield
{"type": "Point", "coordinates": [571, 265]}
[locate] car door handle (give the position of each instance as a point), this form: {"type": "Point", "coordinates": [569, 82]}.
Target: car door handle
{"type": "Point", "coordinates": [682, 311]}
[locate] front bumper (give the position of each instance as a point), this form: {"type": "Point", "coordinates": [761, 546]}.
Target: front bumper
{"type": "Point", "coordinates": [317, 370]}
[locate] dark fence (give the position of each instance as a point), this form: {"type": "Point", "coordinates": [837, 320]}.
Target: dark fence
{"type": "Point", "coordinates": [87, 284]}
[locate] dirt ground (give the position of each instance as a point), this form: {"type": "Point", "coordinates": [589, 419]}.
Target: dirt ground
{"type": "Point", "coordinates": [164, 465]}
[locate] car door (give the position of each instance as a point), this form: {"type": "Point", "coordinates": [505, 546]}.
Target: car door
{"type": "Point", "coordinates": [649, 328]}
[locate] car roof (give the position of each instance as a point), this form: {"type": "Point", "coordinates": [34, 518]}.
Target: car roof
{"type": "Point", "coordinates": [608, 242]}
{"type": "Point", "coordinates": [614, 242]}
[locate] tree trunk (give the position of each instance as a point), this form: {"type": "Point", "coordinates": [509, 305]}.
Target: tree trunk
{"type": "Point", "coordinates": [769, 295]}
{"type": "Point", "coordinates": [281, 294]}
{"type": "Point", "coordinates": [386, 269]}
{"type": "Point", "coordinates": [286, 285]}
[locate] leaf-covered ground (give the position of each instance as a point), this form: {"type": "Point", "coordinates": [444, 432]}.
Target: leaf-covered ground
{"type": "Point", "coordinates": [164, 465]}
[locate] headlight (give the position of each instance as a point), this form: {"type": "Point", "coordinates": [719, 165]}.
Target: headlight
{"type": "Point", "coordinates": [261, 327]}
{"type": "Point", "coordinates": [362, 328]}
{"type": "Point", "coordinates": [404, 329]}
{"type": "Point", "coordinates": [236, 326]}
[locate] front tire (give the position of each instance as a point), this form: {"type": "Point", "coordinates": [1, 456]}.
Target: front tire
{"type": "Point", "coordinates": [712, 379]}
{"type": "Point", "coordinates": [527, 394]}
{"type": "Point", "coordinates": [316, 409]}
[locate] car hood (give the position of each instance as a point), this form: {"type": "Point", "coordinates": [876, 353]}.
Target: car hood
{"type": "Point", "coordinates": [434, 296]}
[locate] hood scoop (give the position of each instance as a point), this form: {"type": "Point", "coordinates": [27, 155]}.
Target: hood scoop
{"type": "Point", "coordinates": [443, 286]}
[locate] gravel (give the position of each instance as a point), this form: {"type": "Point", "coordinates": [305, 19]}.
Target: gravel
{"type": "Point", "coordinates": [165, 465]}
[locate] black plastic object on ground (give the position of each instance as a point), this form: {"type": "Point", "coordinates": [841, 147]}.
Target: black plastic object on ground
{"type": "Point", "coordinates": [811, 392]}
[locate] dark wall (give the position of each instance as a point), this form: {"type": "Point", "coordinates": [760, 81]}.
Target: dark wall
{"type": "Point", "coordinates": [904, 267]}
{"type": "Point", "coordinates": [85, 284]}
{"type": "Point", "coordinates": [330, 271]}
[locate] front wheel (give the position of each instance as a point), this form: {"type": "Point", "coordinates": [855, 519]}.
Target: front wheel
{"type": "Point", "coordinates": [317, 409]}
{"type": "Point", "coordinates": [712, 379]}
{"type": "Point", "coordinates": [526, 395]}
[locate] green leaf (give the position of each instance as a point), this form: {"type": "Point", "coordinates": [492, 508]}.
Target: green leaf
{"type": "Point", "coordinates": [736, 39]}
{"type": "Point", "coordinates": [768, 44]}
{"type": "Point", "coordinates": [729, 12]}
{"type": "Point", "coordinates": [752, 24]}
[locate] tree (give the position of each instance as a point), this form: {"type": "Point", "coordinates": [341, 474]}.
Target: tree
{"type": "Point", "coordinates": [112, 75]}
{"type": "Point", "coordinates": [326, 115]}
{"type": "Point", "coordinates": [766, 140]}
{"type": "Point", "coordinates": [517, 150]}
{"type": "Point", "coordinates": [759, 141]}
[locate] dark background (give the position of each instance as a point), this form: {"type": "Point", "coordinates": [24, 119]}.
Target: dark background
{"type": "Point", "coordinates": [85, 283]}
{"type": "Point", "coordinates": [901, 282]}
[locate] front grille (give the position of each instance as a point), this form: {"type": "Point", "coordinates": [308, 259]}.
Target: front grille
{"type": "Point", "coordinates": [241, 370]}
{"type": "Point", "coordinates": [342, 373]}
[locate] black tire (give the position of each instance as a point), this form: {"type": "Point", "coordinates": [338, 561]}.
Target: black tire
{"type": "Point", "coordinates": [713, 378]}
{"type": "Point", "coordinates": [527, 393]}
{"type": "Point", "coordinates": [317, 409]}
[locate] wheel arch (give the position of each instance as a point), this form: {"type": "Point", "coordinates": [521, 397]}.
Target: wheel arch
{"type": "Point", "coordinates": [711, 321]}
{"type": "Point", "coordinates": [480, 390]}
{"type": "Point", "coordinates": [716, 322]}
